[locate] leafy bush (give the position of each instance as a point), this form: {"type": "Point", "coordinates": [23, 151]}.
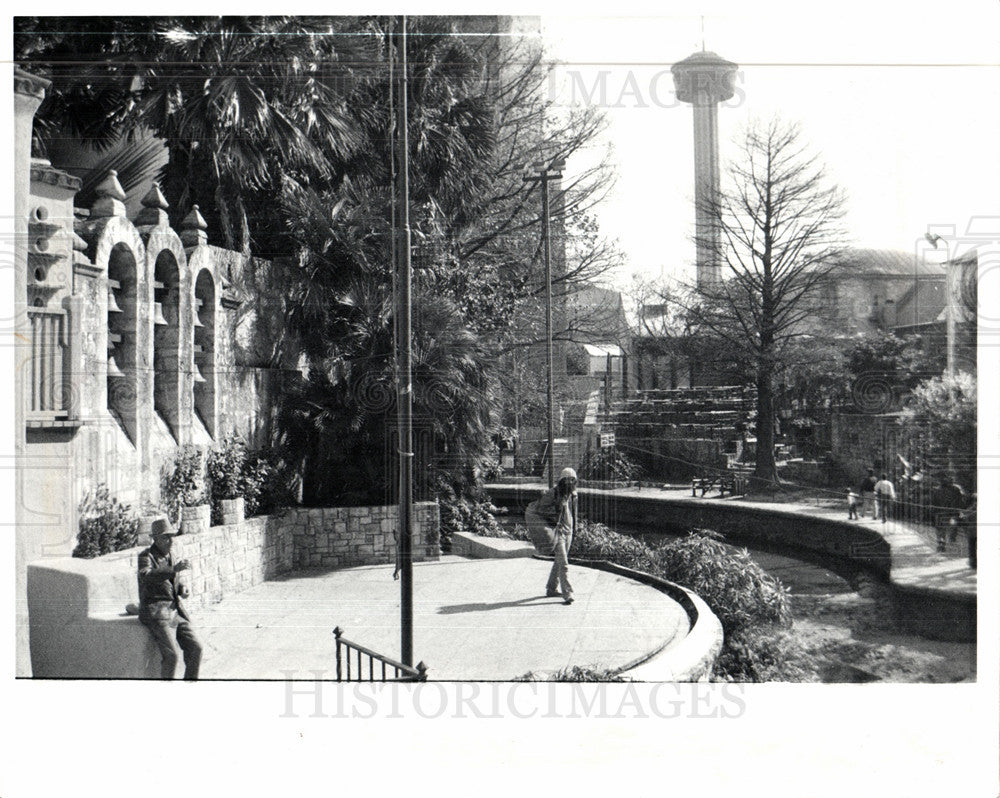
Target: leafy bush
{"type": "Point", "coordinates": [519, 532]}
{"type": "Point", "coordinates": [751, 605]}
{"type": "Point", "coordinates": [472, 514]}
{"type": "Point", "coordinates": [266, 482]}
{"type": "Point", "coordinates": [594, 541]}
{"type": "Point", "coordinates": [741, 593]}
{"type": "Point", "coordinates": [106, 525]}
{"type": "Point", "coordinates": [225, 466]}
{"type": "Point", "coordinates": [183, 483]}
{"type": "Point", "coordinates": [764, 656]}
{"type": "Point", "coordinates": [489, 469]}
{"type": "Point", "coordinates": [258, 476]}
{"type": "Point", "coordinates": [464, 506]}
{"type": "Point", "coordinates": [575, 673]}
{"type": "Point", "coordinates": [608, 464]}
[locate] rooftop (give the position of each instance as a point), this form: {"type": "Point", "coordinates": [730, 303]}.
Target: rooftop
{"type": "Point", "coordinates": [887, 263]}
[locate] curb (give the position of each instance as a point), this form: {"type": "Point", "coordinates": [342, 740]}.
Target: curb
{"type": "Point", "coordinates": [690, 660]}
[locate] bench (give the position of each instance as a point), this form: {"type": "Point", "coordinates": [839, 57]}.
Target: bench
{"type": "Point", "coordinates": [733, 484]}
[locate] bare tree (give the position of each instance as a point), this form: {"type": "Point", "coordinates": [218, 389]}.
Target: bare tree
{"type": "Point", "coordinates": [779, 230]}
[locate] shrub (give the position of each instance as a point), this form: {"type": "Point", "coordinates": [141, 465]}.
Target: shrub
{"type": "Point", "coordinates": [489, 469]}
{"type": "Point", "coordinates": [741, 593]}
{"type": "Point", "coordinates": [764, 656]}
{"type": "Point", "coordinates": [183, 483]}
{"type": "Point", "coordinates": [224, 470]}
{"type": "Point", "coordinates": [594, 541]}
{"type": "Point", "coordinates": [468, 514]}
{"type": "Point", "coordinates": [575, 673]}
{"type": "Point", "coordinates": [465, 507]}
{"type": "Point", "coordinates": [106, 525]}
{"type": "Point", "coordinates": [519, 532]}
{"type": "Point", "coordinates": [267, 482]}
{"type": "Point", "coordinates": [751, 605]}
{"type": "Point", "coordinates": [260, 477]}
{"type": "Point", "coordinates": [225, 466]}
{"type": "Point", "coordinates": [608, 464]}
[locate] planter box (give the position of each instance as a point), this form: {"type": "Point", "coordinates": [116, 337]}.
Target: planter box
{"type": "Point", "coordinates": [195, 519]}
{"type": "Point", "coordinates": [232, 510]}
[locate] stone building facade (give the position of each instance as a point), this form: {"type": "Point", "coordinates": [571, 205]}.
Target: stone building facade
{"type": "Point", "coordinates": [131, 340]}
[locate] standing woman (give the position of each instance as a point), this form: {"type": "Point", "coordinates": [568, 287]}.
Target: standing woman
{"type": "Point", "coordinates": [551, 521]}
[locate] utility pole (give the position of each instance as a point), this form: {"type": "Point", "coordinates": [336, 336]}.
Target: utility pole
{"type": "Point", "coordinates": [546, 174]}
{"type": "Point", "coordinates": [404, 367]}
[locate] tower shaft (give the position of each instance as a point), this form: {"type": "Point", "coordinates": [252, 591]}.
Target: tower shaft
{"type": "Point", "coordinates": [706, 186]}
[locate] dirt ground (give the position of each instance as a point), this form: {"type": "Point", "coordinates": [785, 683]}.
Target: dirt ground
{"type": "Point", "coordinates": [851, 637]}
{"type": "Point", "coordinates": [846, 631]}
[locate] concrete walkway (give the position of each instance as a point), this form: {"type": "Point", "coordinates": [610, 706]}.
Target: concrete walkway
{"type": "Point", "coordinates": [476, 620]}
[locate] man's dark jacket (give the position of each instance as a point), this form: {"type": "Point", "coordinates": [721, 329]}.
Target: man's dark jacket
{"type": "Point", "coordinates": [158, 596]}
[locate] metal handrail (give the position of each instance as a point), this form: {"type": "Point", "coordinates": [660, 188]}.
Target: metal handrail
{"type": "Point", "coordinates": [401, 672]}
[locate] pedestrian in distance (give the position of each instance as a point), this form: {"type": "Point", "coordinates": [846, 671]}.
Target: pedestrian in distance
{"type": "Point", "coordinates": [884, 494]}
{"type": "Point", "coordinates": [852, 505]}
{"type": "Point", "coordinates": [950, 498]}
{"type": "Point", "coordinates": [162, 589]}
{"type": "Point", "coordinates": [551, 521]}
{"type": "Point", "coordinates": [868, 494]}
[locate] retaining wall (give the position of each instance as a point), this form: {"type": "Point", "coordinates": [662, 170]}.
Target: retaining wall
{"type": "Point", "coordinates": [339, 536]}
{"type": "Point", "coordinates": [77, 624]}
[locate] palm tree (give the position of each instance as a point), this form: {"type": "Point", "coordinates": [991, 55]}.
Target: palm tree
{"type": "Point", "coordinates": [242, 103]}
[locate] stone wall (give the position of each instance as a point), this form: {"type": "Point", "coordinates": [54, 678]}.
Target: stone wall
{"type": "Point", "coordinates": [341, 536]}
{"type": "Point", "coordinates": [76, 608]}
{"type": "Point", "coordinates": [230, 558]}
{"type": "Point", "coordinates": [76, 621]}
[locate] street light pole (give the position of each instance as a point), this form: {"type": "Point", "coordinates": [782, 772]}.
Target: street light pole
{"type": "Point", "coordinates": [546, 174]}
{"type": "Point", "coordinates": [404, 378]}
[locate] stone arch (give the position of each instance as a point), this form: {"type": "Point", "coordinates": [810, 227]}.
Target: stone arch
{"type": "Point", "coordinates": [123, 338]}
{"type": "Point", "coordinates": [167, 266]}
{"type": "Point", "coordinates": [166, 339]}
{"type": "Point", "coordinates": [119, 251]}
{"type": "Point", "coordinates": [205, 315]}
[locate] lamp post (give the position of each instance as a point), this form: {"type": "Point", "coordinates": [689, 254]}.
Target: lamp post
{"type": "Point", "coordinates": [547, 173]}
{"type": "Point", "coordinates": [401, 301]}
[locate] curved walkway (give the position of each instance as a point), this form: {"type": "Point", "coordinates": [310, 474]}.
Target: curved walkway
{"type": "Point", "coordinates": [914, 562]}
{"type": "Point", "coordinates": [934, 595]}
{"type": "Point", "coordinates": [478, 620]}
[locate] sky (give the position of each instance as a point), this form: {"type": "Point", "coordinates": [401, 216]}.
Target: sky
{"type": "Point", "coordinates": [903, 107]}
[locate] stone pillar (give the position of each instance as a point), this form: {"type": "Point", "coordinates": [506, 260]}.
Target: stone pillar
{"type": "Point", "coordinates": [29, 91]}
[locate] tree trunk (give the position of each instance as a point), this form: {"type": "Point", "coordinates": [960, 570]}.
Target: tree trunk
{"type": "Point", "coordinates": [244, 242]}
{"type": "Point", "coordinates": [223, 208]}
{"type": "Point", "coordinates": [765, 470]}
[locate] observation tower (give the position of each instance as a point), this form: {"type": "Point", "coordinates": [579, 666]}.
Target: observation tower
{"type": "Point", "coordinates": [705, 79]}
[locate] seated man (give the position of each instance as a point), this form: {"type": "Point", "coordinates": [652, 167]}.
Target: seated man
{"type": "Point", "coordinates": [160, 606]}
